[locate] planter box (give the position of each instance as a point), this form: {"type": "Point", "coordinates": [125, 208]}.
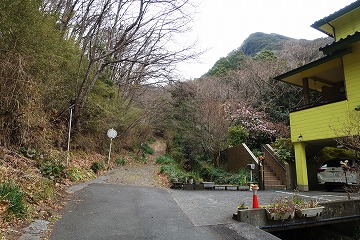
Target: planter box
{"type": "Point", "coordinates": [219, 187]}
{"type": "Point", "coordinates": [243, 188]}
{"type": "Point", "coordinates": [232, 187]}
{"type": "Point", "coordinates": [280, 216]}
{"type": "Point", "coordinates": [208, 185]}
{"type": "Point", "coordinates": [310, 212]}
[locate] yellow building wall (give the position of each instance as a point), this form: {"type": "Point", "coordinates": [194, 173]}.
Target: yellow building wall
{"type": "Point", "coordinates": [327, 121]}
{"type": "Point", "coordinates": [352, 76]}
{"type": "Point", "coordinates": [347, 24]}
{"type": "Point", "coordinates": [318, 122]}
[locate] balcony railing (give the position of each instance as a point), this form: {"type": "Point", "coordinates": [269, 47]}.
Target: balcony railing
{"type": "Point", "coordinates": [321, 102]}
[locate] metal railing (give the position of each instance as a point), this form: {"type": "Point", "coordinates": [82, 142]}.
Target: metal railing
{"type": "Point", "coordinates": [319, 103]}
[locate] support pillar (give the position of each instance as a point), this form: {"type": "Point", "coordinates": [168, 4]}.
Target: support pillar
{"type": "Point", "coordinates": [306, 91]}
{"type": "Point", "coordinates": [301, 168]}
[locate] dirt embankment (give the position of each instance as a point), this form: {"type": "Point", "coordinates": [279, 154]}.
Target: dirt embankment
{"type": "Point", "coordinates": [25, 173]}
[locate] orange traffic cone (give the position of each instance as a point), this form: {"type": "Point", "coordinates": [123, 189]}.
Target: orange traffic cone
{"type": "Point", "coordinates": [255, 201]}
{"type": "Point", "coordinates": [254, 188]}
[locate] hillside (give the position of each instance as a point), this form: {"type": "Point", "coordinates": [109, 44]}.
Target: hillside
{"type": "Point", "coordinates": [258, 42]}
{"type": "Point", "coordinates": [253, 45]}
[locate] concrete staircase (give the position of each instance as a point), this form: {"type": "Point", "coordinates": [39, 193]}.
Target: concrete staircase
{"type": "Point", "coordinates": [272, 181]}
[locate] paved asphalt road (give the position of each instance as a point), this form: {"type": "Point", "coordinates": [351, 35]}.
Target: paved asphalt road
{"type": "Point", "coordinates": [112, 211]}
{"type": "Point", "coordinates": [103, 211]}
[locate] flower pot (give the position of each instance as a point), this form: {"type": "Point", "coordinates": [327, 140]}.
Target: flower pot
{"type": "Point", "coordinates": [231, 187]}
{"type": "Point", "coordinates": [243, 188]}
{"type": "Point", "coordinates": [280, 215]}
{"type": "Point", "coordinates": [310, 212]}
{"type": "Point", "coordinates": [208, 185]}
{"type": "Point", "coordinates": [242, 207]}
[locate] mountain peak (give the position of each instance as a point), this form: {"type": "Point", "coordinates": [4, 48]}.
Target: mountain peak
{"type": "Point", "coordinates": [259, 41]}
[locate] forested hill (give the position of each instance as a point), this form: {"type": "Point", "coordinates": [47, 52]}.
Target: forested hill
{"type": "Point", "coordinates": [260, 44]}
{"type": "Point", "coordinates": [257, 42]}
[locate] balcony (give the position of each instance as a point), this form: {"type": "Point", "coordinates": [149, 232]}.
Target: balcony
{"type": "Point", "coordinates": [320, 102]}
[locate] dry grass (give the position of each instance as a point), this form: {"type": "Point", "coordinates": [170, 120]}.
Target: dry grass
{"type": "Point", "coordinates": [43, 197]}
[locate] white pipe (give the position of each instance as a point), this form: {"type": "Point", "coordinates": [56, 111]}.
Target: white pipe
{"type": "Point", "coordinates": [68, 144]}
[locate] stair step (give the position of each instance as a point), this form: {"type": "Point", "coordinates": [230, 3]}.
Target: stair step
{"type": "Point", "coordinates": [275, 187]}
{"type": "Point", "coordinates": [273, 182]}
{"type": "Point", "coordinates": [267, 174]}
{"type": "Point", "coordinates": [271, 178]}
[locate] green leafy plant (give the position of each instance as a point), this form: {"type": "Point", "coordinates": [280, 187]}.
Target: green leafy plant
{"type": "Point", "coordinates": [237, 135]}
{"type": "Point", "coordinates": [174, 172]}
{"type": "Point", "coordinates": [77, 175]}
{"type": "Point", "coordinates": [120, 161]}
{"type": "Point", "coordinates": [333, 152]}
{"type": "Point", "coordinates": [44, 189]}
{"type": "Point", "coordinates": [220, 176]}
{"type": "Point", "coordinates": [52, 168]}
{"type": "Point", "coordinates": [301, 203]}
{"type": "Point", "coordinates": [146, 149]}
{"type": "Point", "coordinates": [97, 167]}
{"type": "Point", "coordinates": [164, 160]}
{"type": "Point", "coordinates": [12, 194]}
{"type": "Point", "coordinates": [284, 150]}
{"type": "Point", "coordinates": [242, 206]}
{"type": "Point", "coordinates": [281, 206]}
{"type": "Point", "coordinates": [27, 152]}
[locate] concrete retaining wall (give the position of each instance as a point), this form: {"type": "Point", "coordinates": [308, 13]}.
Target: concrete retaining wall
{"type": "Point", "coordinates": [337, 211]}
{"type": "Point", "coordinates": [236, 158]}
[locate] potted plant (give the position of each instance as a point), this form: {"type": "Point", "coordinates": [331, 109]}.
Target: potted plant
{"type": "Point", "coordinates": [243, 184]}
{"type": "Point", "coordinates": [242, 206]}
{"type": "Point", "coordinates": [309, 208]}
{"type": "Point", "coordinates": [281, 209]}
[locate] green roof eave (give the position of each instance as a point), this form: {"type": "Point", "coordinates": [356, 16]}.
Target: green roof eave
{"type": "Point", "coordinates": [335, 15]}
{"type": "Point", "coordinates": [313, 64]}
{"type": "Point", "coordinates": [341, 44]}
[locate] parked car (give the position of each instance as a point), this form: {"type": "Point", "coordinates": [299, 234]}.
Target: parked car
{"type": "Point", "coordinates": [338, 172]}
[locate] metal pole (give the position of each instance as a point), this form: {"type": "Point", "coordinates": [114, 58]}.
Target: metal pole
{"type": "Point", "coordinates": [68, 145]}
{"type": "Point", "coordinates": [110, 151]}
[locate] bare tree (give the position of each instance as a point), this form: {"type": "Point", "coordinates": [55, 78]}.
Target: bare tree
{"type": "Point", "coordinates": [300, 52]}
{"type": "Point", "coordinates": [130, 41]}
{"type": "Point", "coordinates": [253, 81]}
{"type": "Point", "coordinates": [349, 135]}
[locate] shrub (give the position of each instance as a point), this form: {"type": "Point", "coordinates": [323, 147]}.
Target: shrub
{"type": "Point", "coordinates": [27, 152]}
{"type": "Point", "coordinates": [195, 175]}
{"type": "Point", "coordinates": [44, 189]}
{"type": "Point", "coordinates": [78, 175]}
{"type": "Point", "coordinates": [164, 160]}
{"type": "Point", "coordinates": [332, 152]}
{"type": "Point", "coordinates": [146, 149]}
{"type": "Point", "coordinates": [284, 150]}
{"type": "Point", "coordinates": [174, 171]}
{"type": "Point", "coordinates": [138, 158]}
{"type": "Point", "coordinates": [11, 193]}
{"type": "Point", "coordinates": [97, 167]}
{"type": "Point", "coordinates": [237, 135]}
{"type": "Point", "coordinates": [220, 176]}
{"type": "Point", "coordinates": [120, 161]}
{"type": "Point", "coordinates": [52, 168]}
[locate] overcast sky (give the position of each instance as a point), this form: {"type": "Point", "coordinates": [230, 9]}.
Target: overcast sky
{"type": "Point", "coordinates": [222, 25]}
